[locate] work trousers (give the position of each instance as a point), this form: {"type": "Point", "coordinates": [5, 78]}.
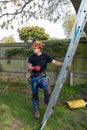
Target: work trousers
{"type": "Point", "coordinates": [43, 83]}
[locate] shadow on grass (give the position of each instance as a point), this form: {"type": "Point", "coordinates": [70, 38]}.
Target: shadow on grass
{"type": "Point", "coordinates": [16, 112]}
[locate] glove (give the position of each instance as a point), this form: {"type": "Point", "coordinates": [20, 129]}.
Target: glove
{"type": "Point", "coordinates": [37, 68]}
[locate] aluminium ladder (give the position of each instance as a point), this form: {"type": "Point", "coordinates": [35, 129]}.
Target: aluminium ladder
{"type": "Point", "coordinates": [76, 32]}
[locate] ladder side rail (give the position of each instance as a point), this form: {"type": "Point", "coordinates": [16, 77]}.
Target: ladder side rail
{"type": "Point", "coordinates": [78, 28]}
{"type": "Point", "coordinates": [79, 34]}
{"type": "Point", "coordinates": [63, 71]}
{"type": "Point", "coordinates": [73, 46]}
{"type": "Point", "coordinates": [50, 107]}
{"type": "Point", "coordinates": [69, 60]}
{"type": "Point", "coordinates": [58, 89]}
{"type": "Point", "coordinates": [72, 34]}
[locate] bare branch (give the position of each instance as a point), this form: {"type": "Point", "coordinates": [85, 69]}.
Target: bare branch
{"type": "Point", "coordinates": [5, 1]}
{"type": "Point", "coordinates": [23, 10]}
{"type": "Point", "coordinates": [17, 11]}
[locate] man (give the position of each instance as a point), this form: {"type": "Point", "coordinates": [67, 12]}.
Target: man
{"type": "Point", "coordinates": [37, 63]}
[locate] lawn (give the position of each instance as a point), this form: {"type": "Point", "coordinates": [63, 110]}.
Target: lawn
{"type": "Point", "coordinates": [16, 111]}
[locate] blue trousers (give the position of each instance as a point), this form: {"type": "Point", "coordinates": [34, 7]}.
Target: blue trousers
{"type": "Point", "coordinates": [42, 82]}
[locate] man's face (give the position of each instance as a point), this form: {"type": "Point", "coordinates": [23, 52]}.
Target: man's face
{"type": "Point", "coordinates": [36, 50]}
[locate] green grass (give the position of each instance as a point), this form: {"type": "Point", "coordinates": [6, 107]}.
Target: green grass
{"type": "Point", "coordinates": [16, 111]}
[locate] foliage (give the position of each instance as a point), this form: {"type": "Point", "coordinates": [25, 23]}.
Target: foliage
{"type": "Point", "coordinates": [9, 83]}
{"type": "Point", "coordinates": [18, 51]}
{"type": "Point", "coordinates": [56, 47]}
{"type": "Point", "coordinates": [32, 33]}
{"type": "Point", "coordinates": [21, 11]}
{"type": "Point", "coordinates": [9, 39]}
{"type": "Point", "coordinates": [68, 23]}
{"type": "Point", "coordinates": [57, 41]}
{"type": "Point", "coordinates": [51, 46]}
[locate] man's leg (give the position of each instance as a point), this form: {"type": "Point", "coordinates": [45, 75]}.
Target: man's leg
{"type": "Point", "coordinates": [47, 93]}
{"type": "Point", "coordinates": [35, 99]}
{"type": "Point", "coordinates": [46, 88]}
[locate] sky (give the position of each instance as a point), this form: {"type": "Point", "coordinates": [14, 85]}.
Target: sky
{"type": "Point", "coordinates": [55, 30]}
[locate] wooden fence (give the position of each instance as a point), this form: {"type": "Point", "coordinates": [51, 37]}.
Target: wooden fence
{"type": "Point", "coordinates": [16, 69]}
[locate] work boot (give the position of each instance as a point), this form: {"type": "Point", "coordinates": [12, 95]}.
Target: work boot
{"type": "Point", "coordinates": [36, 114]}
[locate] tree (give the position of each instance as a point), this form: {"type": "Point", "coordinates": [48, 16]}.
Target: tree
{"type": "Point", "coordinates": [68, 23]}
{"type": "Point", "coordinates": [33, 33]}
{"type": "Point", "coordinates": [9, 39]}
{"type": "Point", "coordinates": [22, 10]}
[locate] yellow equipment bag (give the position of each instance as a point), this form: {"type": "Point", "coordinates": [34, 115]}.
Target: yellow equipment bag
{"type": "Point", "coordinates": [76, 103]}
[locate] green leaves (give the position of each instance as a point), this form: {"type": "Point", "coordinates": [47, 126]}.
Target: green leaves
{"type": "Point", "coordinates": [18, 51]}
{"type": "Point", "coordinates": [33, 33]}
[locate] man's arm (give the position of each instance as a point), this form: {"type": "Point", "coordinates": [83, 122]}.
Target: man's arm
{"type": "Point", "coordinates": [30, 67]}
{"type": "Point", "coordinates": [58, 63]}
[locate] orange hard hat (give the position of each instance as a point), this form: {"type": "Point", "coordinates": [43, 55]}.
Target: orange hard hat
{"type": "Point", "coordinates": [37, 44]}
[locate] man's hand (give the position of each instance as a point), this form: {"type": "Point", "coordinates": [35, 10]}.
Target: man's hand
{"type": "Point", "coordinates": [37, 68]}
{"type": "Point", "coordinates": [28, 76]}
{"type": "Point", "coordinates": [68, 67]}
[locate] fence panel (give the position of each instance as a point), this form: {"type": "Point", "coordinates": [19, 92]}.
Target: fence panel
{"type": "Point", "coordinates": [16, 69]}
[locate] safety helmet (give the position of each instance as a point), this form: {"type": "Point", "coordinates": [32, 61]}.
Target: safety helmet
{"type": "Point", "coordinates": [37, 44]}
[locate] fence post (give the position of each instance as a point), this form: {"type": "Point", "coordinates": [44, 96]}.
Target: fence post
{"type": "Point", "coordinates": [71, 79]}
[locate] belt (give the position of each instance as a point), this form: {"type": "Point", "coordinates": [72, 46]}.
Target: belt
{"type": "Point", "coordinates": [38, 74]}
